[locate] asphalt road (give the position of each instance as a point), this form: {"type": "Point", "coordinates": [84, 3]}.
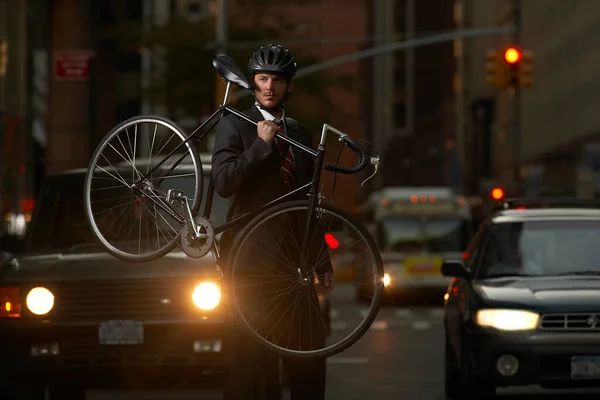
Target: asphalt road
{"type": "Point", "coordinates": [400, 358]}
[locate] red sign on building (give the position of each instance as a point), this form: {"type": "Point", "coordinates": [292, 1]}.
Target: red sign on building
{"type": "Point", "coordinates": [72, 64]}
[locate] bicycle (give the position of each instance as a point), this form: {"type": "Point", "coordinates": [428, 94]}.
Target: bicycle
{"type": "Point", "coordinates": [162, 194]}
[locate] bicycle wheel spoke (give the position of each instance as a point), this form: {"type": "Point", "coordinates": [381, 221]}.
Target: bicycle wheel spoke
{"type": "Point", "coordinates": [149, 224]}
{"type": "Point", "coordinates": [286, 310]}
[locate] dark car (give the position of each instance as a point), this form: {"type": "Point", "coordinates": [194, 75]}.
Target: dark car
{"type": "Point", "coordinates": [524, 305]}
{"type": "Point", "coordinates": [74, 317]}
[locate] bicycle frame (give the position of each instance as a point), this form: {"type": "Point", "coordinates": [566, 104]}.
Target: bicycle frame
{"type": "Point", "coordinates": [197, 135]}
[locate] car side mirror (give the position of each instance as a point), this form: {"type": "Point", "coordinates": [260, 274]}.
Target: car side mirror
{"type": "Point", "coordinates": [455, 269]}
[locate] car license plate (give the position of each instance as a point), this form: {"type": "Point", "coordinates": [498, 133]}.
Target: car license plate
{"type": "Point", "coordinates": [121, 332]}
{"type": "Point", "coordinates": [585, 367]}
{"type": "Point", "coordinates": [423, 266]}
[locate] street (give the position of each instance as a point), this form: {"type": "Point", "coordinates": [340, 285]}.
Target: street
{"type": "Point", "coordinates": [400, 358]}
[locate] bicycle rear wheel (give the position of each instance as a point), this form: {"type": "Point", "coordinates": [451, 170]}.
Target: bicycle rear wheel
{"type": "Point", "coordinates": [128, 213]}
{"type": "Point", "coordinates": [274, 277]}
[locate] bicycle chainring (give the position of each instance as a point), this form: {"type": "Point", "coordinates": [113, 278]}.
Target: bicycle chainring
{"type": "Point", "coordinates": [197, 247]}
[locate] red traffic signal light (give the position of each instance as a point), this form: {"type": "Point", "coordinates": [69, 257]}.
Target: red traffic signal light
{"type": "Point", "coordinates": [512, 55]}
{"type": "Point", "coordinates": [497, 193]}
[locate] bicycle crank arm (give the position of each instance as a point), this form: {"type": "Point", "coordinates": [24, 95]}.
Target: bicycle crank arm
{"type": "Point", "coordinates": [177, 197]}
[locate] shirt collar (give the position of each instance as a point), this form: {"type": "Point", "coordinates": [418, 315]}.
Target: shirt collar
{"type": "Point", "coordinates": [266, 115]}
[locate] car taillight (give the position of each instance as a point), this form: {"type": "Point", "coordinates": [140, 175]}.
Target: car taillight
{"type": "Point", "coordinates": [10, 302]}
{"type": "Point", "coordinates": [331, 241]}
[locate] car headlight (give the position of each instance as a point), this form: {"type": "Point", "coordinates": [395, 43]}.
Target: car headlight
{"type": "Point", "coordinates": [40, 300]}
{"type": "Point", "coordinates": [386, 279]}
{"type": "Point", "coordinates": [508, 320]}
{"type": "Point", "coordinates": [206, 296]}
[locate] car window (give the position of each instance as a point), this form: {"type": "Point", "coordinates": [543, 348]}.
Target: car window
{"type": "Point", "coordinates": [473, 250]}
{"type": "Point", "coordinates": [60, 222]}
{"type": "Point", "coordinates": [542, 248]}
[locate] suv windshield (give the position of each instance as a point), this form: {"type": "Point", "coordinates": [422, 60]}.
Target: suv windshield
{"type": "Point", "coordinates": [61, 223]}
{"type": "Point", "coordinates": [424, 234]}
{"type": "Point", "coordinates": [542, 248]}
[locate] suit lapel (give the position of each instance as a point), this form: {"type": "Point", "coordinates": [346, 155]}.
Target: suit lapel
{"type": "Point", "coordinates": [254, 113]}
{"type": "Point", "coordinates": [292, 131]}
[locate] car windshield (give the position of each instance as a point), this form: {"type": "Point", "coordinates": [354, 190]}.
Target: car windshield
{"type": "Point", "coordinates": [559, 247]}
{"type": "Point", "coordinates": [424, 234]}
{"type": "Point", "coordinates": [61, 223]}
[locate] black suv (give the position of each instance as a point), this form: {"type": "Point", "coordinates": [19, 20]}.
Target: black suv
{"type": "Point", "coordinates": [524, 305]}
{"type": "Point", "coordinates": [71, 313]}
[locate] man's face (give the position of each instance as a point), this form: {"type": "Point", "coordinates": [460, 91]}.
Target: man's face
{"type": "Point", "coordinates": [270, 89]}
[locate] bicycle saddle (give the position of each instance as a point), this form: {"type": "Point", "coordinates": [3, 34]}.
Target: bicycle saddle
{"type": "Point", "coordinates": [230, 71]}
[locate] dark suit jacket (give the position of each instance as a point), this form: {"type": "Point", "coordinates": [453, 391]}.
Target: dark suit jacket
{"type": "Point", "coordinates": [247, 169]}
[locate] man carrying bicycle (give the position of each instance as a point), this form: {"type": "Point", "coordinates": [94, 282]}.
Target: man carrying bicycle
{"type": "Point", "coordinates": [253, 167]}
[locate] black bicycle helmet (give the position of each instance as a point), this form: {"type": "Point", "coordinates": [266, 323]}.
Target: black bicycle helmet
{"type": "Point", "coordinates": [275, 59]}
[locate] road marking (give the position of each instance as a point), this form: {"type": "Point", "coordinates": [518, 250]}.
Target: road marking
{"type": "Point", "coordinates": [379, 326]}
{"type": "Point", "coordinates": [348, 360]}
{"type": "Point", "coordinates": [403, 312]}
{"type": "Point", "coordinates": [421, 325]}
{"type": "Point", "coordinates": [437, 312]}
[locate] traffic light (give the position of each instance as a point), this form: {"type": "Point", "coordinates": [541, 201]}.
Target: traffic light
{"type": "Point", "coordinates": [525, 73]}
{"type": "Point", "coordinates": [512, 55]}
{"type": "Point", "coordinates": [497, 193]}
{"type": "Point", "coordinates": [511, 67]}
{"type": "Point", "coordinates": [496, 70]}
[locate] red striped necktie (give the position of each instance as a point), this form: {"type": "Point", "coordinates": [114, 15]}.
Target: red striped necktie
{"type": "Point", "coordinates": [288, 167]}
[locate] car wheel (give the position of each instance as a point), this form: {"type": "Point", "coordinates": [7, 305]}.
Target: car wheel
{"type": "Point", "coordinates": [472, 386]}
{"type": "Point", "coordinates": [452, 374]}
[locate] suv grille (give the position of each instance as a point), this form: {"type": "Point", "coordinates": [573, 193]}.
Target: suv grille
{"type": "Point", "coordinates": [572, 322]}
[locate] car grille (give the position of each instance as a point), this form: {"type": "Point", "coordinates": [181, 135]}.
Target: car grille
{"type": "Point", "coordinates": [571, 322]}
{"type": "Point", "coordinates": [126, 299]}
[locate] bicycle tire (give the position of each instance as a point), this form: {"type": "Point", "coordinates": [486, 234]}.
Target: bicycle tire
{"type": "Point", "coordinates": [371, 312]}
{"type": "Point", "coordinates": [138, 258]}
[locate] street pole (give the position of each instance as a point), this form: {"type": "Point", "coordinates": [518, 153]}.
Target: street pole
{"type": "Point", "coordinates": [409, 77]}
{"type": "Point", "coordinates": [396, 46]}
{"type": "Point", "coordinates": [222, 25]}
{"type": "Point", "coordinates": [383, 79]}
{"type": "Point", "coordinates": [459, 88]}
{"type": "Point", "coordinates": [155, 13]}
{"type": "Point", "coordinates": [221, 48]}
{"type": "Point", "coordinates": [516, 128]}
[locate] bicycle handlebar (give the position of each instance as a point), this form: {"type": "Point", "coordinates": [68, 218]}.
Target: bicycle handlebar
{"type": "Point", "coordinates": [363, 158]}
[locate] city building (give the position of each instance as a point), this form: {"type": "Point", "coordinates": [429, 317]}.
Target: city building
{"type": "Point", "coordinates": [556, 150]}
{"type": "Point", "coordinates": [68, 75]}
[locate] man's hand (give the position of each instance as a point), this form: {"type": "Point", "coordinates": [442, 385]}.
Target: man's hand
{"type": "Point", "coordinates": [325, 284]}
{"type": "Point", "coordinates": [266, 130]}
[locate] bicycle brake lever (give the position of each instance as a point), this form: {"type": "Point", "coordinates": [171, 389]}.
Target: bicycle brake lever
{"type": "Point", "coordinates": [374, 161]}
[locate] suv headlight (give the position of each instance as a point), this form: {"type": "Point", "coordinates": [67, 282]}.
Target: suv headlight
{"type": "Point", "coordinates": [507, 320]}
{"type": "Point", "coordinates": [206, 296]}
{"type": "Point", "coordinates": [40, 300]}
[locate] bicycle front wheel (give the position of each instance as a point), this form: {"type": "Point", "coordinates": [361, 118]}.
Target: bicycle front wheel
{"type": "Point", "coordinates": [126, 203]}
{"type": "Point", "coordinates": [277, 270]}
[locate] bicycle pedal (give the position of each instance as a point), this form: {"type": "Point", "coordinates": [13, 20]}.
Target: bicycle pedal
{"type": "Point", "coordinates": [175, 196]}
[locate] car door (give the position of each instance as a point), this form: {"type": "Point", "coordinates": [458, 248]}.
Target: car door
{"type": "Point", "coordinates": [459, 291]}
